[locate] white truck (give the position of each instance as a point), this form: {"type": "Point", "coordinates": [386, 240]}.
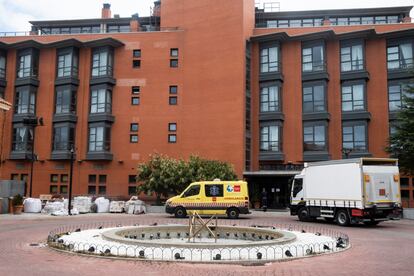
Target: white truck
{"type": "Point", "coordinates": [348, 191]}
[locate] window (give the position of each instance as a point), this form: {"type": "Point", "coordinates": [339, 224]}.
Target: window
{"type": "Point", "coordinates": [134, 127]}
{"type": "Point", "coordinates": [192, 191]}
{"type": "Point", "coordinates": [174, 52]}
{"type": "Point", "coordinates": [132, 188]}
{"type": "Point", "coordinates": [269, 60]}
{"type": "Point", "coordinates": [22, 138]}
{"type": "Point", "coordinates": [99, 138]}
{"type": "Point", "coordinates": [102, 62]}
{"type": "Point", "coordinates": [64, 178]}
{"type": "Point", "coordinates": [118, 29]}
{"type": "Point", "coordinates": [172, 127]}
{"type": "Point", "coordinates": [135, 101]}
{"type": "Point", "coordinates": [133, 138]}
{"type": "Point", "coordinates": [25, 100]}
{"type": "Point", "coordinates": [53, 189]}
{"type": "Point", "coordinates": [298, 186]}
{"type": "Point", "coordinates": [173, 63]}
{"type": "Point", "coordinates": [92, 178]}
{"type": "Point", "coordinates": [269, 98]}
{"type": "Point", "coordinates": [314, 98]}
{"type": "Point", "coordinates": [27, 63]}
{"type": "Point", "coordinates": [172, 138]}
{"type": "Point", "coordinates": [136, 53]}
{"type": "Point", "coordinates": [67, 63]}
{"type": "Point", "coordinates": [172, 100]}
{"type": "Point", "coordinates": [2, 65]}
{"type": "Point", "coordinates": [405, 194]}
{"type": "Point", "coordinates": [354, 137]}
{"type": "Point", "coordinates": [313, 58]}
{"type": "Point", "coordinates": [135, 90]}
{"type": "Point", "coordinates": [91, 190]}
{"type": "Point", "coordinates": [395, 95]}
{"type": "Point", "coordinates": [213, 190]}
{"type": "Point", "coordinates": [63, 189]}
{"type": "Point", "coordinates": [353, 98]}
{"type": "Point", "coordinates": [102, 179]}
{"type": "Point", "coordinates": [101, 100]}
{"type": "Point", "coordinates": [314, 137]}
{"type": "Point", "coordinates": [404, 181]}
{"type": "Point", "coordinates": [352, 58]}
{"type": "Point", "coordinates": [54, 178]}
{"type": "Point", "coordinates": [14, 176]}
{"type": "Point", "coordinates": [100, 187]}
{"type": "Point", "coordinates": [400, 56]}
{"type": "Point", "coordinates": [136, 63]}
{"type": "Point", "coordinates": [65, 100]}
{"type": "Point", "coordinates": [269, 138]}
{"type": "Point", "coordinates": [63, 137]}
{"type": "Point", "coordinates": [173, 89]}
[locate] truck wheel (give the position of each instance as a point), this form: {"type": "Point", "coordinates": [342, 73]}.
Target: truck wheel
{"type": "Point", "coordinates": [342, 218]}
{"type": "Point", "coordinates": [303, 214]}
{"type": "Point", "coordinates": [233, 213]}
{"type": "Point", "coordinates": [180, 212]}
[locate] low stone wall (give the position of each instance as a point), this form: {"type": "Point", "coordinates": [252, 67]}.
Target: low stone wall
{"type": "Point", "coordinates": [408, 213]}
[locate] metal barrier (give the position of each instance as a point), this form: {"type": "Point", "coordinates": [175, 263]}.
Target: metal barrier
{"type": "Point", "coordinates": [251, 254]}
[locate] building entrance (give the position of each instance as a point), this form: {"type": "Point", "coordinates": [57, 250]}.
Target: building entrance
{"type": "Point", "coordinates": [275, 188]}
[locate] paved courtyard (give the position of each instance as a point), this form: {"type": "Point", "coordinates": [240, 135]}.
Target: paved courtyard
{"type": "Point", "coordinates": [387, 249]}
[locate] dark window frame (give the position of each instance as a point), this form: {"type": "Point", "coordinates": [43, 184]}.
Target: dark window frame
{"type": "Point", "coordinates": [312, 85]}
{"type": "Point", "coordinates": [33, 68]}
{"type": "Point", "coordinates": [135, 90]}
{"type": "Point", "coordinates": [105, 70]}
{"type": "Point", "coordinates": [402, 62]}
{"type": "Point", "coordinates": [278, 105]}
{"type": "Point", "coordinates": [172, 127]}
{"type": "Point", "coordinates": [96, 107]}
{"type": "Point", "coordinates": [136, 63]}
{"type": "Point", "coordinates": [25, 104]}
{"type": "Point", "coordinates": [26, 141]}
{"type": "Point", "coordinates": [134, 127]}
{"type": "Point", "coordinates": [61, 142]}
{"type": "Point", "coordinates": [173, 100]}
{"type": "Point", "coordinates": [354, 124]}
{"type": "Point", "coordinates": [316, 65]}
{"type": "Point", "coordinates": [3, 64]}
{"type": "Point", "coordinates": [172, 52]}
{"type": "Point", "coordinates": [402, 84]}
{"type": "Point", "coordinates": [65, 104]}
{"type": "Point", "coordinates": [172, 138]}
{"type": "Point", "coordinates": [276, 64]}
{"type": "Point", "coordinates": [135, 100]}
{"type": "Point", "coordinates": [70, 70]}
{"type": "Point", "coordinates": [102, 145]}
{"type": "Point", "coordinates": [358, 64]}
{"type": "Point", "coordinates": [173, 89]}
{"type": "Point", "coordinates": [364, 96]}
{"type": "Point", "coordinates": [314, 124]}
{"type": "Point", "coordinates": [136, 53]}
{"type": "Point", "coordinates": [174, 63]}
{"type": "Point", "coordinates": [279, 141]}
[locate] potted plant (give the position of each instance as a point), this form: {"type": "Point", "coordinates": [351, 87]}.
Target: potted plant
{"type": "Point", "coordinates": [17, 203]}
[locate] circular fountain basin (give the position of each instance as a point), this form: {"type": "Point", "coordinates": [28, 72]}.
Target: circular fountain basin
{"type": "Point", "coordinates": [179, 236]}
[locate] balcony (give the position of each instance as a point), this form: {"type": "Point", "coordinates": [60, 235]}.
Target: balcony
{"type": "Point", "coordinates": [314, 71]}
{"type": "Point", "coordinates": [400, 68]}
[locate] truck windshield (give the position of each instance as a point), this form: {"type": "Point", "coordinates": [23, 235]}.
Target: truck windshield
{"type": "Point", "coordinates": [192, 191]}
{"type": "Point", "coordinates": [298, 186]}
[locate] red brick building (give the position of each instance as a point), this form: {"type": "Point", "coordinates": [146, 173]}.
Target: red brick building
{"type": "Point", "coordinates": [263, 90]}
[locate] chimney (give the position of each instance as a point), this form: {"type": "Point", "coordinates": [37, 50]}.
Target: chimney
{"type": "Point", "coordinates": [157, 8]}
{"type": "Point", "coordinates": [106, 11]}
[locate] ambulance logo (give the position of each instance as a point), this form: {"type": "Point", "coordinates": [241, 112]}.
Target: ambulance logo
{"type": "Point", "coordinates": [229, 188]}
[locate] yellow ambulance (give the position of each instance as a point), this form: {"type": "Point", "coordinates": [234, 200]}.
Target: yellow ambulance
{"type": "Point", "coordinates": [216, 197]}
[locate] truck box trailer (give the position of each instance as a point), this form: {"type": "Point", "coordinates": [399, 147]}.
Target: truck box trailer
{"type": "Point", "coordinates": [348, 191]}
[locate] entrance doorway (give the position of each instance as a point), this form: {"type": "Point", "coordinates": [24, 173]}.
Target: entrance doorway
{"type": "Point", "coordinates": [277, 189]}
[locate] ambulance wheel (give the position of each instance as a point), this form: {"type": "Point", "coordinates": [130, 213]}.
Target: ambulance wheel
{"type": "Point", "coordinates": [342, 218]}
{"type": "Point", "coordinates": [233, 213]}
{"type": "Point", "coordinates": [180, 212]}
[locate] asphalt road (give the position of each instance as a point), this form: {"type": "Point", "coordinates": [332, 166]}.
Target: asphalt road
{"type": "Point", "coordinates": [386, 249]}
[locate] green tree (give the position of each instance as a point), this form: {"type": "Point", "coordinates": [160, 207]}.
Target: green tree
{"type": "Point", "coordinates": [163, 175]}
{"type": "Point", "coordinates": [401, 143]}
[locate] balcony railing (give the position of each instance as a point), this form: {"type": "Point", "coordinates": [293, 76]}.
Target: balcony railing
{"type": "Point", "coordinates": [400, 64]}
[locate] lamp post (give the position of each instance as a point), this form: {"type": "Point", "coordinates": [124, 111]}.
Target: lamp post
{"type": "Point", "coordinates": [72, 154]}
{"type": "Point", "coordinates": [32, 122]}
